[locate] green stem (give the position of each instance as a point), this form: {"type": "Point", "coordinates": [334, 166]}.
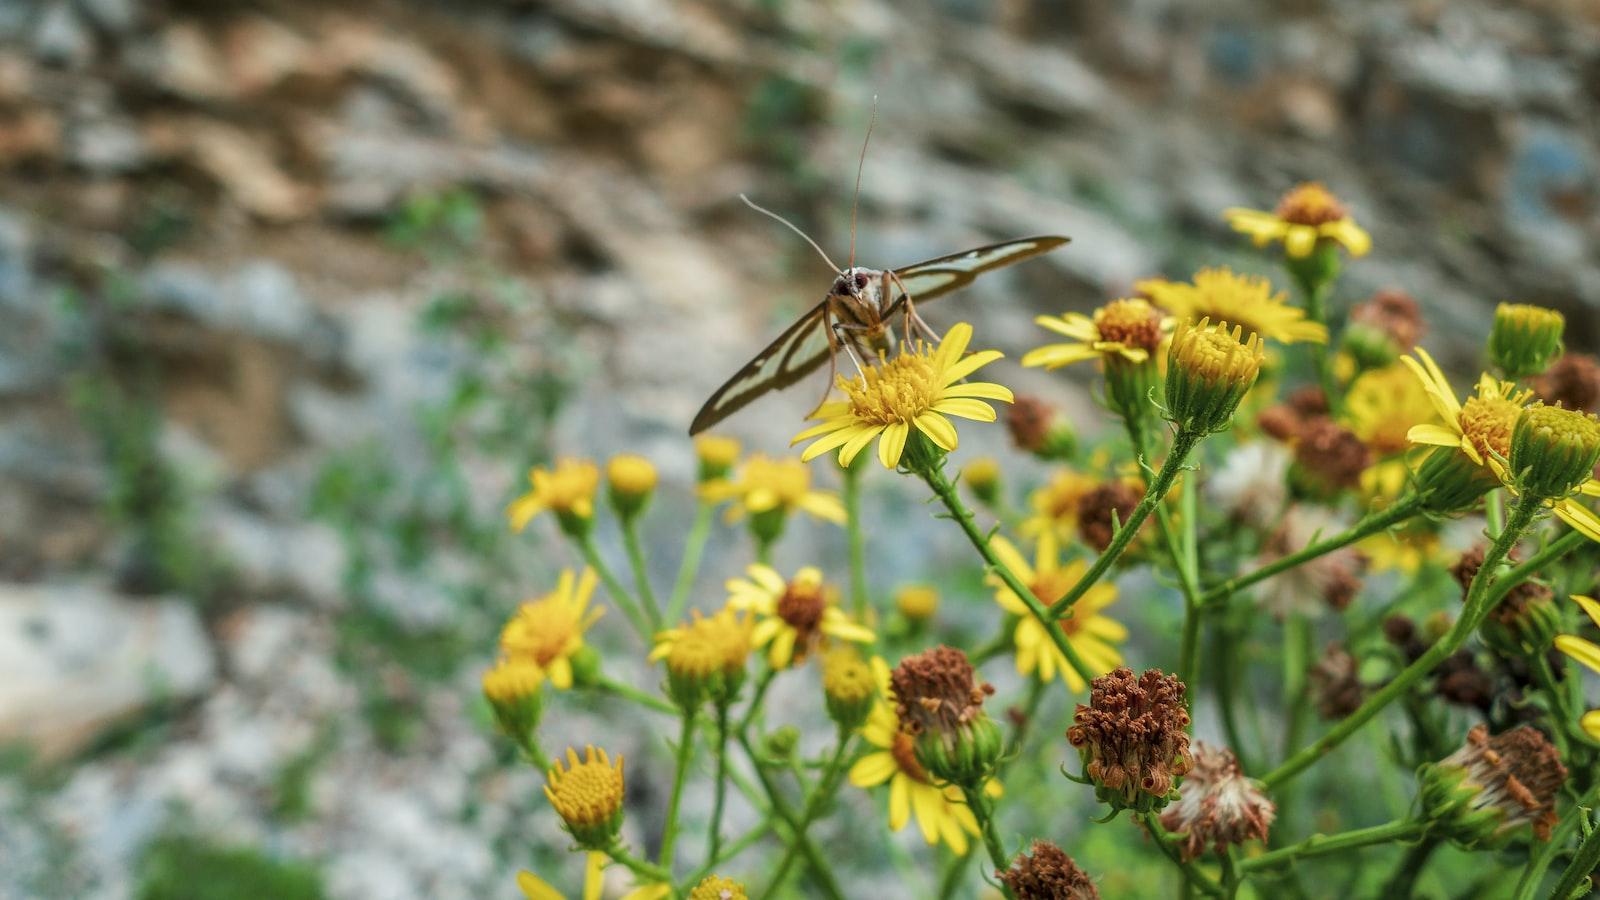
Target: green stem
{"type": "Point", "coordinates": [1528, 884]}
{"type": "Point", "coordinates": [1404, 879]}
{"type": "Point", "coordinates": [730, 851]}
{"type": "Point", "coordinates": [1583, 863]}
{"type": "Point", "coordinates": [628, 692]}
{"type": "Point", "coordinates": [619, 594]}
{"type": "Point", "coordinates": [721, 789]}
{"type": "Point", "coordinates": [1297, 652]}
{"type": "Point", "coordinates": [1182, 443]}
{"type": "Point", "coordinates": [669, 832]}
{"type": "Point", "coordinates": [693, 551]}
{"type": "Point", "coordinates": [826, 786]}
{"type": "Point", "coordinates": [1521, 572]}
{"type": "Point", "coordinates": [1316, 300]}
{"type": "Point", "coordinates": [762, 683]}
{"type": "Point", "coordinates": [982, 811]}
{"type": "Point", "coordinates": [1479, 603]}
{"type": "Point", "coordinates": [1546, 680]}
{"type": "Point", "coordinates": [853, 532]}
{"type": "Point", "coordinates": [641, 572]}
{"type": "Point", "coordinates": [1371, 524]}
{"type": "Point", "coordinates": [953, 870]}
{"type": "Point", "coordinates": [1323, 844]}
{"type": "Point", "coordinates": [814, 858]}
{"type": "Point", "coordinates": [946, 492]}
{"type": "Point", "coordinates": [1192, 876]}
{"type": "Point", "coordinates": [638, 866]}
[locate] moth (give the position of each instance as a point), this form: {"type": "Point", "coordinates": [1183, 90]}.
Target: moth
{"type": "Point", "coordinates": [857, 315]}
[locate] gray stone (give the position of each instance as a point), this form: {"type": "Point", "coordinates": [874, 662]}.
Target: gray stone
{"type": "Point", "coordinates": [77, 658]}
{"type": "Point", "coordinates": [59, 36]}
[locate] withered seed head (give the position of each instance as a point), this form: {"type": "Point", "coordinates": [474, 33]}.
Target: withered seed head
{"type": "Point", "coordinates": [1132, 737]}
{"type": "Point", "coordinates": [936, 690]}
{"type": "Point", "coordinates": [1479, 793]}
{"type": "Point", "coordinates": [1046, 873]}
{"type": "Point", "coordinates": [1572, 382]}
{"type": "Point", "coordinates": [1217, 805]}
{"type": "Point", "coordinates": [1334, 683]}
{"type": "Point", "coordinates": [1096, 508]}
{"type": "Point", "coordinates": [1329, 457]}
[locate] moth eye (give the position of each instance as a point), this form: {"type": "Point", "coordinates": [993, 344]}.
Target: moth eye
{"type": "Point", "coordinates": [861, 280]}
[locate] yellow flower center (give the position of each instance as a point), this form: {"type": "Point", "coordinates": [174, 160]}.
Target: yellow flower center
{"type": "Point", "coordinates": [895, 391]}
{"type": "Point", "coordinates": [511, 680]}
{"type": "Point", "coordinates": [904, 751]}
{"type": "Point", "coordinates": [631, 475]}
{"type": "Point", "coordinates": [569, 486]}
{"type": "Point", "coordinates": [1130, 322]}
{"type": "Point", "coordinates": [846, 677]}
{"type": "Point", "coordinates": [587, 793]}
{"type": "Point", "coordinates": [542, 629]}
{"type": "Point", "coordinates": [715, 887]}
{"type": "Point", "coordinates": [1310, 204]}
{"type": "Point", "coordinates": [1487, 422]}
{"type": "Point", "coordinates": [1216, 356]}
{"type": "Point", "coordinates": [695, 654]}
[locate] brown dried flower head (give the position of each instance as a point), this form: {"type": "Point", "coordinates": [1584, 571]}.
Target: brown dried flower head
{"type": "Point", "coordinates": [936, 690]}
{"type": "Point", "coordinates": [1515, 774]}
{"type": "Point", "coordinates": [1029, 419]}
{"type": "Point", "coordinates": [1518, 604]}
{"type": "Point", "coordinates": [1573, 382]}
{"type": "Point", "coordinates": [1329, 457]}
{"type": "Point", "coordinates": [1334, 683]}
{"type": "Point", "coordinates": [1285, 420]}
{"type": "Point", "coordinates": [1132, 737]}
{"type": "Point", "coordinates": [1332, 579]}
{"type": "Point", "coordinates": [1096, 508]}
{"type": "Point", "coordinates": [1396, 314]}
{"type": "Point", "coordinates": [1047, 873]}
{"type": "Point", "coordinates": [1218, 806]}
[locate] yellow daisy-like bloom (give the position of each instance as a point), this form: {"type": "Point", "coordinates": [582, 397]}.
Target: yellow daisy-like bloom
{"type": "Point", "coordinates": [1055, 506]}
{"type": "Point", "coordinates": [918, 389]}
{"type": "Point", "coordinates": [766, 484]}
{"type": "Point", "coordinates": [941, 811]}
{"type": "Point", "coordinates": [1129, 328]}
{"type": "Point", "coordinates": [549, 630]}
{"type": "Point", "coordinates": [1307, 214]}
{"type": "Point", "coordinates": [536, 888]}
{"type": "Point", "coordinates": [1481, 428]}
{"type": "Point", "coordinates": [716, 887]}
{"type": "Point", "coordinates": [1088, 632]}
{"type": "Point", "coordinates": [567, 489]}
{"type": "Point", "coordinates": [587, 795]}
{"type": "Point", "coordinates": [722, 638]}
{"type": "Point", "coordinates": [1382, 405]}
{"type": "Point", "coordinates": [1248, 301]}
{"type": "Point", "coordinates": [1586, 652]}
{"type": "Point", "coordinates": [1404, 549]}
{"type": "Point", "coordinates": [795, 615]}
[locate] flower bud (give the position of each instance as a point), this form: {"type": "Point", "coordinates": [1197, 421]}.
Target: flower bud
{"type": "Point", "coordinates": [566, 489]}
{"type": "Point", "coordinates": [848, 687]}
{"type": "Point", "coordinates": [716, 455]}
{"type": "Point", "coordinates": [587, 796]}
{"type": "Point", "coordinates": [1209, 370]}
{"type": "Point", "coordinates": [982, 475]}
{"type": "Point", "coordinates": [1217, 806]}
{"type": "Point", "coordinates": [715, 887]}
{"type": "Point", "coordinates": [1525, 339]}
{"type": "Point", "coordinates": [940, 703]}
{"type": "Point", "coordinates": [585, 666]}
{"type": "Point", "coordinates": [917, 602]}
{"type": "Point", "coordinates": [1450, 482]}
{"type": "Point", "coordinates": [705, 657]}
{"type": "Point", "coordinates": [512, 688]}
{"type": "Point", "coordinates": [630, 480]}
{"type": "Point", "coordinates": [1132, 738]}
{"type": "Point", "coordinates": [1047, 873]}
{"type": "Point", "coordinates": [1037, 428]}
{"type": "Point", "coordinates": [781, 742]}
{"type": "Point", "coordinates": [1553, 450]}
{"type": "Point", "coordinates": [1480, 794]}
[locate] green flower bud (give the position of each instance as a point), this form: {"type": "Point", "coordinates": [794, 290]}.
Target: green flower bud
{"type": "Point", "coordinates": [1480, 794]}
{"type": "Point", "coordinates": [940, 702]}
{"type": "Point", "coordinates": [1525, 339]}
{"type": "Point", "coordinates": [1553, 450]}
{"type": "Point", "coordinates": [1449, 482]}
{"type": "Point", "coordinates": [512, 688]}
{"type": "Point", "coordinates": [630, 480]}
{"type": "Point", "coordinates": [781, 743]}
{"type": "Point", "coordinates": [585, 666]}
{"type": "Point", "coordinates": [1209, 371]}
{"type": "Point", "coordinates": [848, 687]}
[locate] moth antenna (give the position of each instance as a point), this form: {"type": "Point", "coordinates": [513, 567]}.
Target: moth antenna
{"type": "Point", "coordinates": [855, 201]}
{"type": "Point", "coordinates": [794, 228]}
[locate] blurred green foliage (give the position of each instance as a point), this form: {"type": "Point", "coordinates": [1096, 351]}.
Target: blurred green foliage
{"type": "Point", "coordinates": [186, 867]}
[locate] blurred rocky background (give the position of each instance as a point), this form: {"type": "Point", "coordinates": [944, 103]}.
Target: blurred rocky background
{"type": "Point", "coordinates": [292, 294]}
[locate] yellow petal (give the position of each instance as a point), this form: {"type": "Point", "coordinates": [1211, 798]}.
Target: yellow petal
{"type": "Point", "coordinates": [938, 429]}
{"type": "Point", "coordinates": [536, 888]}
{"type": "Point", "coordinates": [985, 390]}
{"type": "Point", "coordinates": [1579, 649]}
{"type": "Point", "coordinates": [1300, 240]}
{"type": "Point", "coordinates": [847, 454]}
{"type": "Point", "coordinates": [928, 804]}
{"type": "Point", "coordinates": [594, 881]}
{"type": "Point", "coordinates": [953, 346]}
{"type": "Point", "coordinates": [966, 408]}
{"type": "Point", "coordinates": [899, 801]}
{"type": "Point", "coordinates": [1590, 607]}
{"type": "Point", "coordinates": [1436, 435]}
{"type": "Point", "coordinates": [969, 365]}
{"type": "Point", "coordinates": [1590, 723]}
{"type": "Point", "coordinates": [1580, 517]}
{"type": "Point", "coordinates": [873, 769]}
{"type": "Point", "coordinates": [893, 443]}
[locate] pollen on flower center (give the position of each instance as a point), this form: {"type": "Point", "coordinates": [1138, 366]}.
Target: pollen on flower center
{"type": "Point", "coordinates": [802, 606]}
{"type": "Point", "coordinates": [904, 751]}
{"type": "Point", "coordinates": [895, 391]}
{"type": "Point", "coordinates": [1131, 322]}
{"type": "Point", "coordinates": [1310, 204]}
{"type": "Point", "coordinates": [1488, 422]}
{"type": "Point", "coordinates": [586, 793]}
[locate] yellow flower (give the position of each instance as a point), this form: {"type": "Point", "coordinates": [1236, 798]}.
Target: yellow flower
{"type": "Point", "coordinates": [716, 455]}
{"type": "Point", "coordinates": [1088, 632]}
{"type": "Point", "coordinates": [1128, 328]}
{"type": "Point", "coordinates": [566, 490]}
{"type": "Point", "coordinates": [536, 888]}
{"type": "Point", "coordinates": [631, 478]}
{"type": "Point", "coordinates": [716, 887]}
{"type": "Point", "coordinates": [917, 602]}
{"type": "Point", "coordinates": [1405, 548]}
{"type": "Point", "coordinates": [848, 687]}
{"type": "Point", "coordinates": [1055, 506]}
{"type": "Point", "coordinates": [1383, 404]}
{"type": "Point", "coordinates": [794, 615]}
{"type": "Point", "coordinates": [1481, 428]}
{"type": "Point", "coordinates": [512, 689]}
{"type": "Point", "coordinates": [1588, 653]}
{"type": "Point", "coordinates": [942, 813]}
{"type": "Point", "coordinates": [1305, 215]}
{"type": "Point", "coordinates": [1244, 300]}
{"type": "Point", "coordinates": [548, 631]}
{"type": "Point", "coordinates": [705, 656]}
{"type": "Point", "coordinates": [766, 485]}
{"type": "Point", "coordinates": [918, 388]}
{"type": "Point", "coordinates": [587, 795]}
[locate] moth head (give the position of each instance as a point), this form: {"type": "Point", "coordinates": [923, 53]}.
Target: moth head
{"type": "Point", "coordinates": [852, 282]}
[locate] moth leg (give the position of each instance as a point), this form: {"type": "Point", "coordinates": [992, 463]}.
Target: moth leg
{"type": "Point", "coordinates": [914, 322]}
{"type": "Point", "coordinates": [833, 357]}
{"type": "Point", "coordinates": [847, 341]}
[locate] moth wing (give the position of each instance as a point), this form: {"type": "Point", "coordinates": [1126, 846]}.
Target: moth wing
{"type": "Point", "coordinates": [942, 275]}
{"type": "Point", "coordinates": [796, 353]}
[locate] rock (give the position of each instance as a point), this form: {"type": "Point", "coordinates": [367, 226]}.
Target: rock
{"type": "Point", "coordinates": [248, 172]}
{"type": "Point", "coordinates": [106, 145]}
{"type": "Point", "coordinates": [60, 38]}
{"type": "Point", "coordinates": [260, 299]}
{"type": "Point", "coordinates": [304, 560]}
{"type": "Point", "coordinates": [114, 17]}
{"type": "Point", "coordinates": [76, 659]}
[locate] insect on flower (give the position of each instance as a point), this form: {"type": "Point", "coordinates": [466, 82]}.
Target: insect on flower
{"type": "Point", "coordinates": [857, 313]}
